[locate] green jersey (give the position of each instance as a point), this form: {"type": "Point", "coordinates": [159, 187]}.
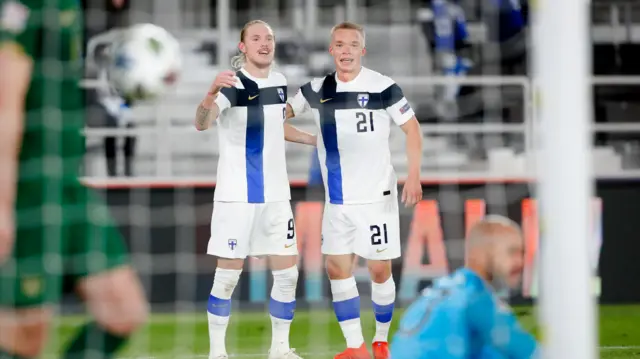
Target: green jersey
{"type": "Point", "coordinates": [56, 217]}
{"type": "Point", "coordinates": [49, 32]}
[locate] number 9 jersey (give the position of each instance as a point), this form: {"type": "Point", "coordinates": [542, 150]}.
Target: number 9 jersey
{"type": "Point", "coordinates": [354, 120]}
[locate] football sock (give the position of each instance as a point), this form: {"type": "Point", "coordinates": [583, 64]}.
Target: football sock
{"type": "Point", "coordinates": [93, 342]}
{"type": "Point", "coordinates": [383, 296]}
{"type": "Point", "coordinates": [346, 304]}
{"type": "Point", "coordinates": [219, 309]}
{"type": "Point", "coordinates": [282, 306]}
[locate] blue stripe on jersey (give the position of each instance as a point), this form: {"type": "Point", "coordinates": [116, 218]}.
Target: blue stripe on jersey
{"type": "Point", "coordinates": [351, 100]}
{"type": "Point", "coordinates": [254, 140]}
{"type": "Point", "coordinates": [268, 96]}
{"type": "Point", "coordinates": [329, 138]}
{"type": "Point", "coordinates": [254, 98]}
{"type": "Point", "coordinates": [254, 144]}
{"type": "Point", "coordinates": [327, 101]}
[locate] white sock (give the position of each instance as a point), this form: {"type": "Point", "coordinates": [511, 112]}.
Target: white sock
{"type": "Point", "coordinates": [219, 309]}
{"type": "Point", "coordinates": [282, 306]}
{"type": "Point", "coordinates": [346, 304]}
{"type": "Point", "coordinates": [383, 296]}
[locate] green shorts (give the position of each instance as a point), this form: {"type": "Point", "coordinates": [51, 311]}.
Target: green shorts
{"type": "Point", "coordinates": [66, 233]}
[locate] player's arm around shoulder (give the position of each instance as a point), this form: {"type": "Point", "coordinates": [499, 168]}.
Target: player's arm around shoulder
{"type": "Point", "coordinates": [215, 102]}
{"type": "Point", "coordinates": [402, 114]}
{"type": "Point", "coordinates": [295, 107]}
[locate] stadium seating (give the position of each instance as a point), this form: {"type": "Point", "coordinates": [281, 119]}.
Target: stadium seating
{"type": "Point", "coordinates": [185, 152]}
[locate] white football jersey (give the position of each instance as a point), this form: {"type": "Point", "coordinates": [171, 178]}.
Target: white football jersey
{"type": "Point", "coordinates": [252, 166]}
{"type": "Point", "coordinates": [354, 122]}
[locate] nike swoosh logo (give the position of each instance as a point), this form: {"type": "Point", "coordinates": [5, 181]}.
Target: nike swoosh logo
{"type": "Point", "coordinates": [381, 250]}
{"type": "Point", "coordinates": [289, 246]}
{"type": "Point", "coordinates": [322, 100]}
{"type": "Point", "coordinates": [252, 97]}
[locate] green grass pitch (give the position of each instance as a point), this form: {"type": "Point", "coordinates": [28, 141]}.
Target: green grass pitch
{"type": "Point", "coordinates": [315, 334]}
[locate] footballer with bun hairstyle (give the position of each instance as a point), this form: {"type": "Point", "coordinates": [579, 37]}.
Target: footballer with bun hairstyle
{"type": "Point", "coordinates": [251, 213]}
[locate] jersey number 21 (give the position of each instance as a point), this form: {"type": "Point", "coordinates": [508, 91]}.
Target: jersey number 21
{"type": "Point", "coordinates": [363, 125]}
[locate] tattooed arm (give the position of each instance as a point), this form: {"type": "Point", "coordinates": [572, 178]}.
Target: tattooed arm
{"type": "Point", "coordinates": [207, 111]}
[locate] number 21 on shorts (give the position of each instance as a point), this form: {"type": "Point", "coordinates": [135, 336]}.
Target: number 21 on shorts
{"type": "Point", "coordinates": [379, 234]}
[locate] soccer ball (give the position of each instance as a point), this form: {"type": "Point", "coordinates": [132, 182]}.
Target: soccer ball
{"type": "Point", "coordinates": [143, 62]}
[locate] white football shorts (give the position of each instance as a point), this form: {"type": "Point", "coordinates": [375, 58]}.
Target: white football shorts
{"type": "Point", "coordinates": [370, 230]}
{"type": "Point", "coordinates": [242, 229]}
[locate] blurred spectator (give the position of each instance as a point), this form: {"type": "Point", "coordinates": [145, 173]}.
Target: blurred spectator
{"type": "Point", "coordinates": [445, 29]}
{"type": "Point", "coordinates": [117, 111]}
{"type": "Point", "coordinates": [101, 16]}
{"type": "Point", "coordinates": [107, 109]}
{"type": "Point", "coordinates": [506, 22]}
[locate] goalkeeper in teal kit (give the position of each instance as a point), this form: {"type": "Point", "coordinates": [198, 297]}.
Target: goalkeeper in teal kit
{"type": "Point", "coordinates": [460, 316]}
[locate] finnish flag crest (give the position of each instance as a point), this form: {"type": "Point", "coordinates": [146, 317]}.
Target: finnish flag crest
{"type": "Point", "coordinates": [233, 243]}
{"type": "Point", "coordinates": [363, 99]}
{"type": "Point", "coordinates": [281, 94]}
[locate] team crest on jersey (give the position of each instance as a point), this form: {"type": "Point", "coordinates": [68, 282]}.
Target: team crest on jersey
{"type": "Point", "coordinates": [363, 99]}
{"type": "Point", "coordinates": [32, 286]}
{"type": "Point", "coordinates": [233, 243]}
{"type": "Point", "coordinates": [281, 94]}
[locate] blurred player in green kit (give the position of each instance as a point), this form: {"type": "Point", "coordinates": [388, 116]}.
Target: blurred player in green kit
{"type": "Point", "coordinates": [52, 227]}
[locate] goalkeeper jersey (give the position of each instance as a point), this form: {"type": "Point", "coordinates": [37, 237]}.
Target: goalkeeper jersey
{"type": "Point", "coordinates": [460, 317]}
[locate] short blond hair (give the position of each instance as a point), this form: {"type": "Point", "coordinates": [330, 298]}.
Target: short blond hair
{"type": "Point", "coordinates": [348, 25]}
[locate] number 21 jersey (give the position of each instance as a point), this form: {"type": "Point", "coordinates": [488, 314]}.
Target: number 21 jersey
{"type": "Point", "coordinates": [354, 119]}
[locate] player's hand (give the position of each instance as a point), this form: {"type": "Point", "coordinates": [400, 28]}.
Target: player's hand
{"type": "Point", "coordinates": [224, 79]}
{"type": "Point", "coordinates": [7, 233]}
{"type": "Point", "coordinates": [412, 191]}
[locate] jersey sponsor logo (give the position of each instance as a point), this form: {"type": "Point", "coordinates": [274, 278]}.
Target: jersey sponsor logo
{"type": "Point", "coordinates": [13, 17]}
{"type": "Point", "coordinates": [363, 99]}
{"type": "Point", "coordinates": [281, 94]}
{"type": "Point", "coordinates": [289, 245]}
{"type": "Point", "coordinates": [252, 97]}
{"type": "Point", "coordinates": [405, 108]}
{"type": "Point", "coordinates": [323, 100]}
{"type": "Point", "coordinates": [381, 250]}
{"type": "Point", "coordinates": [232, 243]}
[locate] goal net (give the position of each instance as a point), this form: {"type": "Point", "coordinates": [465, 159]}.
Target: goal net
{"type": "Point", "coordinates": [465, 73]}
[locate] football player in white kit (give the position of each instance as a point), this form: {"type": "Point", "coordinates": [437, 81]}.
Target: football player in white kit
{"type": "Point", "coordinates": [353, 109]}
{"type": "Point", "coordinates": [251, 214]}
